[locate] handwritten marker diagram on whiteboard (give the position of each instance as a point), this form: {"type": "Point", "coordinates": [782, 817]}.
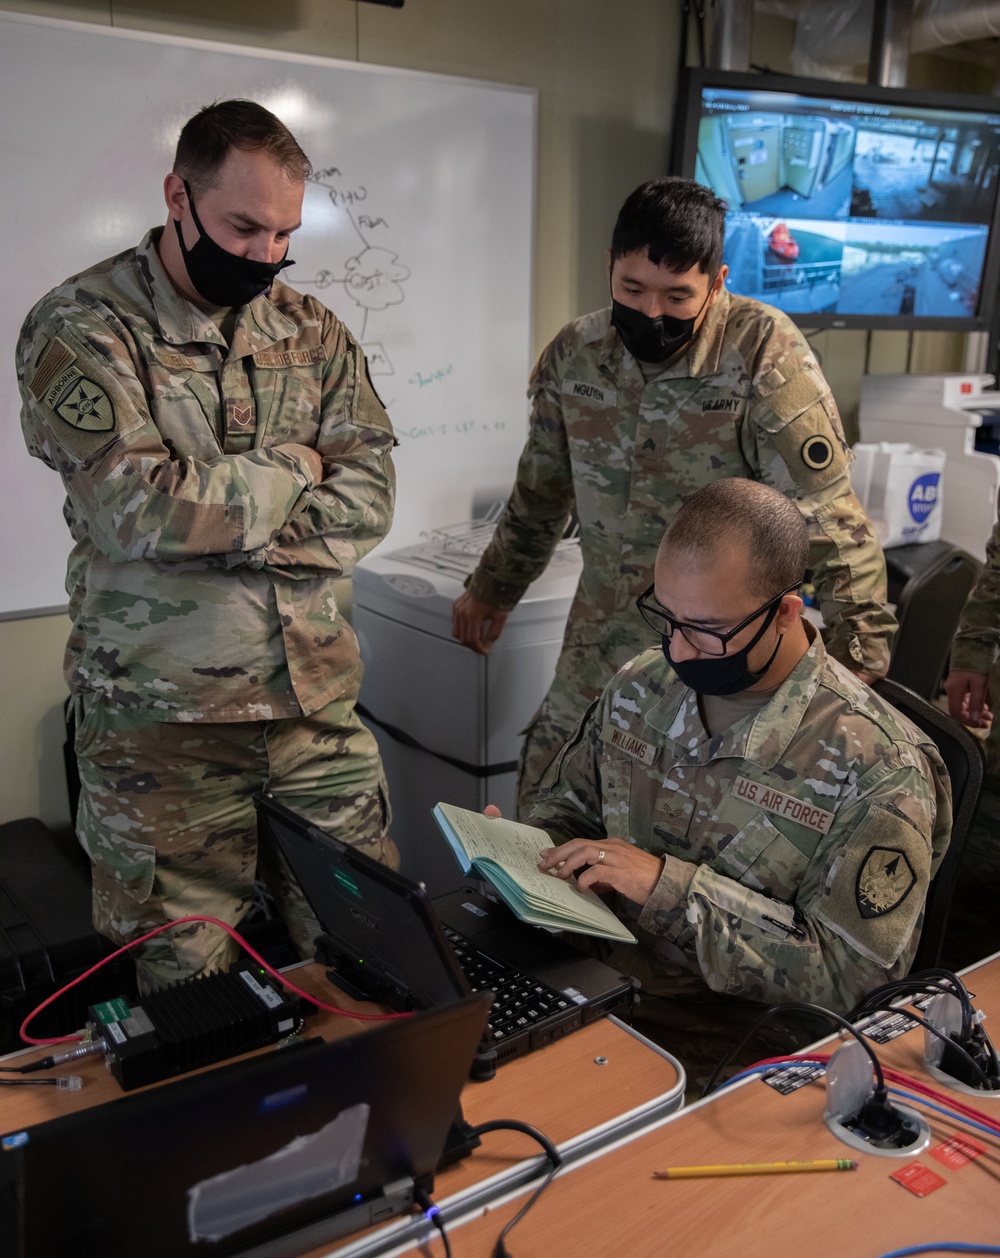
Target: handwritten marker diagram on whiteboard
{"type": "Point", "coordinates": [416, 232]}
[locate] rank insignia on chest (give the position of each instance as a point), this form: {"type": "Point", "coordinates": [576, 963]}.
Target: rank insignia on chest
{"type": "Point", "coordinates": [239, 416]}
{"type": "Point", "coordinates": [884, 881]}
{"type": "Point", "coordinates": [629, 744]}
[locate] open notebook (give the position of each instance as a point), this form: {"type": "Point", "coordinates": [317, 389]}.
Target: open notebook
{"type": "Point", "coordinates": [387, 940]}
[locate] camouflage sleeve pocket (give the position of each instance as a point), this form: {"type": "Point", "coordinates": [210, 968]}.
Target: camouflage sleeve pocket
{"type": "Point", "coordinates": [812, 448]}
{"type": "Point", "coordinates": [876, 886]}
{"type": "Point", "coordinates": [760, 856]}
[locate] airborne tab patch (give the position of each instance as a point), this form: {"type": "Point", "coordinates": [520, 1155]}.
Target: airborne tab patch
{"type": "Point", "coordinates": [884, 881]}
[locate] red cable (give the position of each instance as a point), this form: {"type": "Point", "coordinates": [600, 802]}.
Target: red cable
{"type": "Point", "coordinates": [197, 917]}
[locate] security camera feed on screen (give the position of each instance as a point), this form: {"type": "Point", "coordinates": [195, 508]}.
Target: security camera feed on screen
{"type": "Point", "coordinates": [850, 208]}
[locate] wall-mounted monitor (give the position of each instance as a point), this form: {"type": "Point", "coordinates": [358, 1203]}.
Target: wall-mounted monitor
{"type": "Point", "coordinates": [850, 205]}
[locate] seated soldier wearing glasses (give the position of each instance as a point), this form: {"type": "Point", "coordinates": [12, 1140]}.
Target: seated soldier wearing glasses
{"type": "Point", "coordinates": [767, 824]}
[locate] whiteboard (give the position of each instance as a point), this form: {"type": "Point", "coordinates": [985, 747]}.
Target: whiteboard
{"type": "Point", "coordinates": [416, 232]}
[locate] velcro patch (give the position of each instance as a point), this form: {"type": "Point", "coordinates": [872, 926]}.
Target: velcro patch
{"type": "Point", "coordinates": [795, 395]}
{"type": "Point", "coordinates": [590, 392]}
{"type": "Point", "coordinates": [239, 415]}
{"type": "Point", "coordinates": [731, 405]}
{"type": "Point", "coordinates": [81, 403]}
{"type": "Point", "coordinates": [629, 744]}
{"type": "Point", "coordinates": [884, 881]}
{"type": "Point", "coordinates": [290, 357]}
{"type": "Point", "coordinates": [56, 357]}
{"type": "Point", "coordinates": [782, 805]}
{"type": "Point", "coordinates": [817, 452]}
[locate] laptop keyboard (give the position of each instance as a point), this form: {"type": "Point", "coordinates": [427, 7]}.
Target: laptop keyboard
{"type": "Point", "coordinates": [520, 1000]}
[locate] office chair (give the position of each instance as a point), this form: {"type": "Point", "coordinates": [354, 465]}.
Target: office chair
{"type": "Point", "coordinates": [928, 582]}
{"type": "Point", "coordinates": [963, 756]}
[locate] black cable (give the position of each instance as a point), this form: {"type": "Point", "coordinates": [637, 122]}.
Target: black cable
{"type": "Point", "coordinates": [432, 1212]}
{"type": "Point", "coordinates": [699, 17]}
{"type": "Point", "coordinates": [500, 1249]}
{"type": "Point", "coordinates": [915, 984]}
{"type": "Point", "coordinates": [800, 1006]}
{"type": "Point", "coordinates": [943, 1035]}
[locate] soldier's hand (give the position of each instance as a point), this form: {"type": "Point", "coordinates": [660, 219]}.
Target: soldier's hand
{"type": "Point", "coordinates": [312, 459]}
{"type": "Point", "coordinates": [605, 865]}
{"type": "Point", "coordinates": [476, 625]}
{"type": "Point", "coordinates": [968, 700]}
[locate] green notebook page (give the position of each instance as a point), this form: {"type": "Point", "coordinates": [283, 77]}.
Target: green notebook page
{"type": "Point", "coordinates": [506, 853]}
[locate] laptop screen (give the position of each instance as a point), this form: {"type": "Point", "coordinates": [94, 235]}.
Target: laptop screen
{"type": "Point", "coordinates": [235, 1158]}
{"type": "Point", "coordinates": [386, 934]}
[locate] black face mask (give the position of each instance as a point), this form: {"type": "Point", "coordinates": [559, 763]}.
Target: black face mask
{"type": "Point", "coordinates": [724, 674]}
{"type": "Point", "coordinates": [653, 340]}
{"type": "Point", "coordinates": [221, 277]}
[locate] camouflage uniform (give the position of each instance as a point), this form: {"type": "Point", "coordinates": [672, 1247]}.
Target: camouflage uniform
{"type": "Point", "coordinates": [973, 926]}
{"type": "Point", "coordinates": [976, 644]}
{"type": "Point", "coordinates": [201, 582]}
{"type": "Point", "coordinates": [747, 399]}
{"type": "Point", "coordinates": [798, 844]}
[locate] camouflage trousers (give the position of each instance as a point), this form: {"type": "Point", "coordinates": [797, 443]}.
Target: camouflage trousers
{"type": "Point", "coordinates": [167, 818]}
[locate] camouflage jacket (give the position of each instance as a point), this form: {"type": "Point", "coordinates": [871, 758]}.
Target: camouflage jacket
{"type": "Point", "coordinates": [201, 582]}
{"type": "Point", "coordinates": [976, 648]}
{"type": "Point", "coordinates": [798, 844]}
{"type": "Point", "coordinates": [748, 399]}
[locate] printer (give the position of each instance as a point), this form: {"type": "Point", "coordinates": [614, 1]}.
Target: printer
{"type": "Point", "coordinates": [449, 722]}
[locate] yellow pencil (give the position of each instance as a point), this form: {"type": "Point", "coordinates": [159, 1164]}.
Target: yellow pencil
{"type": "Point", "coordinates": [757, 1168]}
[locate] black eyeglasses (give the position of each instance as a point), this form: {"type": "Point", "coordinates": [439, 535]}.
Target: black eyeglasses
{"type": "Point", "coordinates": [706, 641]}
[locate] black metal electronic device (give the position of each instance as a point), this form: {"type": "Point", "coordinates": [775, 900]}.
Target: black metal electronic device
{"type": "Point", "coordinates": [193, 1023]}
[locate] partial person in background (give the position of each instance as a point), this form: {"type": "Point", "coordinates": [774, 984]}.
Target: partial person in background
{"type": "Point", "coordinates": [973, 688]}
{"type": "Point", "coordinates": [225, 459]}
{"type": "Point", "coordinates": [678, 384]}
{"type": "Point", "coordinates": [763, 822]}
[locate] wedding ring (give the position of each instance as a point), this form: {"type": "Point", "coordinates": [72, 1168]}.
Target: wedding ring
{"type": "Point", "coordinates": [600, 856]}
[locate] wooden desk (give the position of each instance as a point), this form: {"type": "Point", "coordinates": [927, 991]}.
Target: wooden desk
{"type": "Point", "coordinates": [611, 1203]}
{"type": "Point", "coordinates": [633, 1088]}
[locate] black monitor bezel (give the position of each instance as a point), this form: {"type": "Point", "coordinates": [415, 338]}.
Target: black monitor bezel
{"type": "Point", "coordinates": [688, 114]}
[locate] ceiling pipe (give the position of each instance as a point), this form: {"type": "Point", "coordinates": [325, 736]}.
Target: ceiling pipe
{"type": "Point", "coordinates": [731, 31]}
{"type": "Point", "coordinates": [888, 60]}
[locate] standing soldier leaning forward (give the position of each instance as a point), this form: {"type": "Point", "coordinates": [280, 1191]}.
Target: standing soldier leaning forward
{"type": "Point", "coordinates": [225, 458]}
{"type": "Point", "coordinates": [633, 409]}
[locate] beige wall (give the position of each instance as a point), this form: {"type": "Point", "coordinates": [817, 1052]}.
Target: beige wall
{"type": "Point", "coordinates": [605, 71]}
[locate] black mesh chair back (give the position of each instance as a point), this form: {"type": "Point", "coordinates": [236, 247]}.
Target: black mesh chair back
{"type": "Point", "coordinates": [929, 583]}
{"type": "Point", "coordinates": [963, 756]}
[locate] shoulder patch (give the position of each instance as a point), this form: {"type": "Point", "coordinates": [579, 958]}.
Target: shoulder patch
{"type": "Point", "coordinates": [81, 403]}
{"type": "Point", "coordinates": [884, 880]}
{"type": "Point", "coordinates": [55, 359]}
{"type": "Point", "coordinates": [817, 452]}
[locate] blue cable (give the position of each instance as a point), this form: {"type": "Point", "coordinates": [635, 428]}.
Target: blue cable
{"type": "Point", "coordinates": [943, 1247]}
{"type": "Point", "coordinates": [949, 1113]}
